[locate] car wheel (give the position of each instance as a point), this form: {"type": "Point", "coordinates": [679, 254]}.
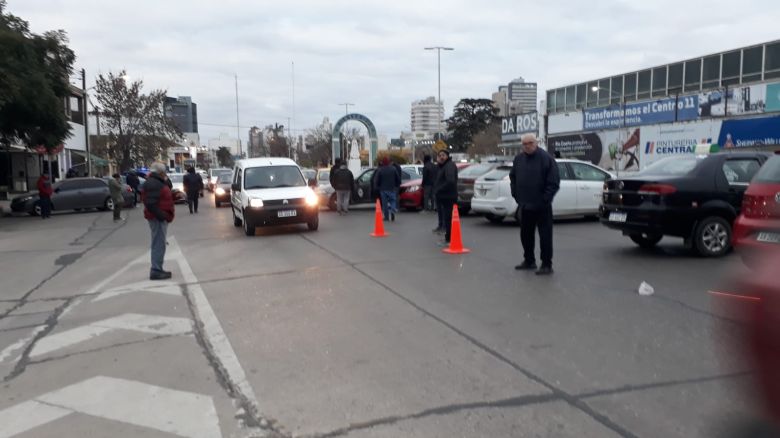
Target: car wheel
{"type": "Point", "coordinates": [495, 219]}
{"type": "Point", "coordinates": [108, 205]}
{"type": "Point", "coordinates": [712, 237]}
{"type": "Point", "coordinates": [645, 240]}
{"type": "Point", "coordinates": [314, 223]}
{"type": "Point", "coordinates": [236, 221]}
{"type": "Point", "coordinates": [332, 203]}
{"type": "Point", "coordinates": [36, 211]}
{"type": "Point", "coordinates": [249, 228]}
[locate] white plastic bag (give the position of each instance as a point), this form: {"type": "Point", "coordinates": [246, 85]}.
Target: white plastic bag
{"type": "Point", "coordinates": [645, 289]}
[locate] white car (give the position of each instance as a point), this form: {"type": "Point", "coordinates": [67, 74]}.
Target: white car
{"type": "Point", "coordinates": [272, 191]}
{"type": "Point", "coordinates": [582, 184]}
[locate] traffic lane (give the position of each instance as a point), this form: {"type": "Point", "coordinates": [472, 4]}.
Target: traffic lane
{"type": "Point", "coordinates": [330, 348]}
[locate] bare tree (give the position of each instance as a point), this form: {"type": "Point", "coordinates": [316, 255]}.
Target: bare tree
{"type": "Point", "coordinates": [486, 142]}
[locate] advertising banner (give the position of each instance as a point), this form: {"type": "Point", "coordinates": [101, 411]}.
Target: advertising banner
{"type": "Point", "coordinates": [663, 141]}
{"type": "Point", "coordinates": [512, 128]}
{"type": "Point", "coordinates": [742, 133]}
{"type": "Point", "coordinates": [734, 101]}
{"type": "Point", "coordinates": [665, 110]}
{"type": "Point", "coordinates": [607, 149]}
{"type": "Point", "coordinates": [564, 122]}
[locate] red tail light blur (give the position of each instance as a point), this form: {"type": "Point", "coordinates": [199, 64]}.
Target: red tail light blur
{"type": "Point", "coordinates": [657, 189]}
{"type": "Point", "coordinates": [759, 206]}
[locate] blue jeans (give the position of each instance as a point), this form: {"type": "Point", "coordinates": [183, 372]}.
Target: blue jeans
{"type": "Point", "coordinates": [388, 203]}
{"type": "Point", "coordinates": [159, 229]}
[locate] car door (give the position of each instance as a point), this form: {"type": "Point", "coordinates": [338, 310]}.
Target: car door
{"type": "Point", "coordinates": [738, 173]}
{"type": "Point", "coordinates": [363, 189]}
{"type": "Point", "coordinates": [66, 195]}
{"type": "Point", "coordinates": [565, 201]}
{"type": "Point", "coordinates": [94, 194]}
{"type": "Point", "coordinates": [590, 185]}
{"type": "Point", "coordinates": [235, 194]}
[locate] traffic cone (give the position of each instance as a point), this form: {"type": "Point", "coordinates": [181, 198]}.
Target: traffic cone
{"type": "Point", "coordinates": [379, 225]}
{"type": "Point", "coordinates": [456, 241]}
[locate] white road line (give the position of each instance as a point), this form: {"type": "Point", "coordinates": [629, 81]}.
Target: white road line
{"type": "Point", "coordinates": [212, 329]}
{"type": "Point", "coordinates": [9, 350]}
{"type": "Point", "coordinates": [28, 415]}
{"type": "Point", "coordinates": [160, 287]}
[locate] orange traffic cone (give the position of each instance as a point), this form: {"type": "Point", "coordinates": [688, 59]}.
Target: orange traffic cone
{"type": "Point", "coordinates": [456, 241]}
{"type": "Point", "coordinates": [379, 226]}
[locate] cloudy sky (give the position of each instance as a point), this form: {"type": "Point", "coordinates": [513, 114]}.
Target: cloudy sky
{"type": "Point", "coordinates": [370, 53]}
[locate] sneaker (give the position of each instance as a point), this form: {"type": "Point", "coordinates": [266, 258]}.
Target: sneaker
{"type": "Point", "coordinates": [526, 266]}
{"type": "Point", "coordinates": [159, 275]}
{"type": "Point", "coordinates": [545, 270]}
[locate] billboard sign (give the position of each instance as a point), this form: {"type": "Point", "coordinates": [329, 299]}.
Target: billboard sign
{"type": "Point", "coordinates": [665, 110]}
{"type": "Point", "coordinates": [512, 128]}
{"type": "Point", "coordinates": [678, 139]}
{"type": "Point", "coordinates": [744, 133]}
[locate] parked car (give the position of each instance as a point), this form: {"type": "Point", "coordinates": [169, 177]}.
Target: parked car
{"type": "Point", "coordinates": [272, 192]}
{"type": "Point", "coordinates": [466, 179]}
{"type": "Point", "coordinates": [411, 195]}
{"type": "Point", "coordinates": [579, 195]}
{"type": "Point", "coordinates": [413, 169]}
{"type": "Point", "coordinates": [309, 174]}
{"type": "Point", "coordinates": [214, 174]}
{"type": "Point", "coordinates": [179, 195]}
{"type": "Point", "coordinates": [364, 192]}
{"type": "Point", "coordinates": [324, 190]}
{"type": "Point", "coordinates": [72, 194]}
{"type": "Point", "coordinates": [693, 197]}
{"type": "Point", "coordinates": [222, 189]}
{"type": "Point", "coordinates": [757, 229]}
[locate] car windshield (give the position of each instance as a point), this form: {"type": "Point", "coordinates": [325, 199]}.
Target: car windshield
{"type": "Point", "coordinates": [324, 175]}
{"type": "Point", "coordinates": [220, 173]}
{"type": "Point", "coordinates": [309, 173]}
{"type": "Point", "coordinates": [770, 171]}
{"type": "Point", "coordinates": [176, 178]}
{"type": "Point", "coordinates": [497, 174]}
{"type": "Point", "coordinates": [673, 166]}
{"type": "Point", "coordinates": [476, 170]}
{"type": "Point", "coordinates": [271, 177]}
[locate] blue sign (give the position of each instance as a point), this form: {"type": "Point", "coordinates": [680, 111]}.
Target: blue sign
{"type": "Point", "coordinates": [665, 110]}
{"type": "Point", "coordinates": [744, 133]}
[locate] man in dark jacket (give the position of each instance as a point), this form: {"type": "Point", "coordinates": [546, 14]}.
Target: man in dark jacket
{"type": "Point", "coordinates": [193, 185]}
{"type": "Point", "coordinates": [387, 182]}
{"type": "Point", "coordinates": [342, 181]}
{"type": "Point", "coordinates": [446, 189]}
{"type": "Point", "coordinates": [134, 183]}
{"type": "Point", "coordinates": [534, 181]}
{"type": "Point", "coordinates": [428, 178]}
{"type": "Point", "coordinates": [159, 211]}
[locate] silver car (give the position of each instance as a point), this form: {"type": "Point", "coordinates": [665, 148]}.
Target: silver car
{"type": "Point", "coordinates": [72, 194]}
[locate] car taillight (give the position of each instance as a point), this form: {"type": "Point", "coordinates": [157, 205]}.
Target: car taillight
{"type": "Point", "coordinates": [657, 189]}
{"type": "Point", "coordinates": [758, 206]}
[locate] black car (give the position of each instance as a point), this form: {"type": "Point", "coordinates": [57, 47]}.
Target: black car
{"type": "Point", "coordinates": [72, 194]}
{"type": "Point", "coordinates": [693, 197]}
{"type": "Point", "coordinates": [364, 192]}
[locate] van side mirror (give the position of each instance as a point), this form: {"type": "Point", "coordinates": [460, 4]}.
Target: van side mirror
{"type": "Point", "coordinates": [236, 187]}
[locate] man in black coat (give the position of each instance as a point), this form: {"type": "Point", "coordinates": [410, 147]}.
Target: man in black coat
{"type": "Point", "coordinates": [342, 180]}
{"type": "Point", "coordinates": [193, 185]}
{"type": "Point", "coordinates": [386, 184]}
{"type": "Point", "coordinates": [428, 178]}
{"type": "Point", "coordinates": [446, 189]}
{"type": "Point", "coordinates": [535, 181]}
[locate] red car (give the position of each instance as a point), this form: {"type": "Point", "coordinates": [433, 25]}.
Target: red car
{"type": "Point", "coordinates": [411, 195]}
{"type": "Point", "coordinates": [757, 230]}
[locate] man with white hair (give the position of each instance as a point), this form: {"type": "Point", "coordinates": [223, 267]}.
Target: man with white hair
{"type": "Point", "coordinates": [159, 212]}
{"type": "Point", "coordinates": [535, 181]}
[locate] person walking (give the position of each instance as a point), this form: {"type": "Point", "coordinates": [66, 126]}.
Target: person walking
{"type": "Point", "coordinates": [44, 195]}
{"type": "Point", "coordinates": [193, 185]}
{"type": "Point", "coordinates": [428, 178]}
{"type": "Point", "coordinates": [342, 181]}
{"type": "Point", "coordinates": [134, 183]}
{"type": "Point", "coordinates": [115, 187]}
{"type": "Point", "coordinates": [534, 180]}
{"type": "Point", "coordinates": [387, 182]}
{"type": "Point", "coordinates": [159, 211]}
{"type": "Point", "coordinates": [446, 189]}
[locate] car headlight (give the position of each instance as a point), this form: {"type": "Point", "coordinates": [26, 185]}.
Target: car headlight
{"type": "Point", "coordinates": [21, 200]}
{"type": "Point", "coordinates": [311, 199]}
{"type": "Point", "coordinates": [413, 189]}
{"type": "Point", "coordinates": [255, 203]}
{"type": "Point", "coordinates": [220, 191]}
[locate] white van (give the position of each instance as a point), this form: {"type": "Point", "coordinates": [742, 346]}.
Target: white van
{"type": "Point", "coordinates": [272, 191]}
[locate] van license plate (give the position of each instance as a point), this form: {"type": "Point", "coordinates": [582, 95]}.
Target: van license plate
{"type": "Point", "coordinates": [288, 213]}
{"type": "Point", "coordinates": [768, 237]}
{"type": "Point", "coordinates": [618, 217]}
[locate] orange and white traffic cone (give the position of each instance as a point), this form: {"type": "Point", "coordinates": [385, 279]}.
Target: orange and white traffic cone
{"type": "Point", "coordinates": [456, 241]}
{"type": "Point", "coordinates": [379, 225]}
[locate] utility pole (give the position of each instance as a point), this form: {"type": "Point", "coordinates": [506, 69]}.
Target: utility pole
{"type": "Point", "coordinates": [438, 50]}
{"type": "Point", "coordinates": [238, 125]}
{"type": "Point", "coordinates": [346, 107]}
{"type": "Point", "coordinates": [86, 121]}
{"type": "Point", "coordinates": [293, 99]}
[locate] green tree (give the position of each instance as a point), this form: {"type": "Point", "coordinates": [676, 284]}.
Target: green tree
{"type": "Point", "coordinates": [224, 157]}
{"type": "Point", "coordinates": [34, 72]}
{"type": "Point", "coordinates": [470, 117]}
{"type": "Point", "coordinates": [138, 129]}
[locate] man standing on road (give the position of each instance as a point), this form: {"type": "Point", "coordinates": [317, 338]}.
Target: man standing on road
{"type": "Point", "coordinates": [159, 212]}
{"type": "Point", "coordinates": [115, 187]}
{"type": "Point", "coordinates": [193, 185]}
{"type": "Point", "coordinates": [534, 181]}
{"type": "Point", "coordinates": [134, 183]}
{"type": "Point", "coordinates": [446, 189]}
{"type": "Point", "coordinates": [428, 178]}
{"type": "Point", "coordinates": [44, 195]}
{"type": "Point", "coordinates": [387, 182]}
{"type": "Point", "coordinates": [342, 181]}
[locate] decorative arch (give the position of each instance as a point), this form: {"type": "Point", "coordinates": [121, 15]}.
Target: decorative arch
{"type": "Point", "coordinates": [365, 121]}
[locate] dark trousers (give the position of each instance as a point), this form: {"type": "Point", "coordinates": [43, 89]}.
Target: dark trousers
{"type": "Point", "coordinates": [45, 207]}
{"type": "Point", "coordinates": [135, 196]}
{"type": "Point", "coordinates": [117, 210]}
{"type": "Point", "coordinates": [192, 202]}
{"type": "Point", "coordinates": [530, 220]}
{"type": "Point", "coordinates": [446, 212]}
{"type": "Point", "coordinates": [439, 213]}
{"type": "Point", "coordinates": [428, 200]}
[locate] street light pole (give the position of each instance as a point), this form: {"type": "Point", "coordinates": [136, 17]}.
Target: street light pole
{"type": "Point", "coordinates": [238, 126]}
{"type": "Point", "coordinates": [438, 64]}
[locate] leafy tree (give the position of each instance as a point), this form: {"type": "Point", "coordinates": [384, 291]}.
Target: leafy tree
{"type": "Point", "coordinates": [319, 142]}
{"type": "Point", "coordinates": [470, 117]}
{"type": "Point", "coordinates": [34, 71]}
{"type": "Point", "coordinates": [224, 157]}
{"type": "Point", "coordinates": [138, 129]}
{"type": "Point", "coordinates": [277, 142]}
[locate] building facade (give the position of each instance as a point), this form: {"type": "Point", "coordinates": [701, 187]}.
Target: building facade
{"type": "Point", "coordinates": [626, 121]}
{"type": "Point", "coordinates": [427, 118]}
{"type": "Point", "coordinates": [518, 97]}
{"type": "Point", "coordinates": [183, 111]}
{"type": "Point", "coordinates": [256, 144]}
{"type": "Point", "coordinates": [224, 140]}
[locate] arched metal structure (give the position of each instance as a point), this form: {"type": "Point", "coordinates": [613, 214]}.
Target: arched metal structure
{"type": "Point", "coordinates": [371, 134]}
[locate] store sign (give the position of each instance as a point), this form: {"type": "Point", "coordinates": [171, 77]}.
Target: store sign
{"type": "Point", "coordinates": [743, 133]}
{"type": "Point", "coordinates": [585, 147]}
{"type": "Point", "coordinates": [665, 110]}
{"type": "Point", "coordinates": [514, 127]}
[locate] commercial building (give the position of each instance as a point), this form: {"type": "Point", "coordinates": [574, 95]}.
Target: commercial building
{"type": "Point", "coordinates": [427, 118]}
{"type": "Point", "coordinates": [518, 97]}
{"type": "Point", "coordinates": [224, 140]}
{"type": "Point", "coordinates": [183, 111]}
{"type": "Point", "coordinates": [627, 121]}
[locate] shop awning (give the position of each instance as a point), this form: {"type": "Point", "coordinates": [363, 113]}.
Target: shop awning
{"type": "Point", "coordinates": [96, 161]}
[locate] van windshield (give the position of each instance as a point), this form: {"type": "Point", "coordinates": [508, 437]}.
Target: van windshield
{"type": "Point", "coordinates": [272, 177]}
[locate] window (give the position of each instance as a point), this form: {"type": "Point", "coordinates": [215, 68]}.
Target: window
{"type": "Point", "coordinates": [551, 101]}
{"type": "Point", "coordinates": [366, 177]}
{"type": "Point", "coordinates": [497, 174]}
{"type": "Point", "coordinates": [617, 87]}
{"type": "Point", "coordinates": [772, 61]}
{"type": "Point", "coordinates": [740, 171]}
{"type": "Point", "coordinates": [752, 60]}
{"type": "Point", "coordinates": [75, 104]}
{"type": "Point", "coordinates": [270, 177]}
{"type": "Point", "coordinates": [559, 100]}
{"type": "Point", "coordinates": [659, 81]}
{"type": "Point", "coordinates": [592, 97]}
{"type": "Point", "coordinates": [585, 172]}
{"type": "Point", "coordinates": [693, 75]}
{"type": "Point", "coordinates": [630, 86]}
{"type": "Point", "coordinates": [643, 87]}
{"type": "Point", "coordinates": [563, 171]}
{"type": "Point", "coordinates": [476, 170]}
{"type": "Point", "coordinates": [604, 92]}
{"type": "Point", "coordinates": [730, 68]}
{"type": "Point", "coordinates": [675, 78]}
{"type": "Point", "coordinates": [239, 176]}
{"type": "Point", "coordinates": [323, 175]}
{"type": "Point", "coordinates": [94, 184]}
{"type": "Point", "coordinates": [581, 95]}
{"type": "Point", "coordinates": [677, 166]}
{"type": "Point", "coordinates": [770, 171]}
{"type": "Point", "coordinates": [570, 98]}
{"type": "Point", "coordinates": [711, 72]}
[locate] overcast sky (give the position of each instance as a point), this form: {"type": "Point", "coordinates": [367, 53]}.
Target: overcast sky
{"type": "Point", "coordinates": [370, 53]}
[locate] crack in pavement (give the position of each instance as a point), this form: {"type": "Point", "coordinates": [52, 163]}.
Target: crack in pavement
{"type": "Point", "coordinates": [108, 347]}
{"type": "Point", "coordinates": [513, 402]}
{"type": "Point", "coordinates": [19, 328]}
{"type": "Point", "coordinates": [579, 404]}
{"type": "Point", "coordinates": [645, 386]}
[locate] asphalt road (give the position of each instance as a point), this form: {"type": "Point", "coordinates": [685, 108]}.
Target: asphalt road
{"type": "Point", "coordinates": [333, 333]}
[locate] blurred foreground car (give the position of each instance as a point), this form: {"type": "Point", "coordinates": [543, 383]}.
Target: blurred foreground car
{"type": "Point", "coordinates": [757, 230]}
{"type": "Point", "coordinates": [411, 195]}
